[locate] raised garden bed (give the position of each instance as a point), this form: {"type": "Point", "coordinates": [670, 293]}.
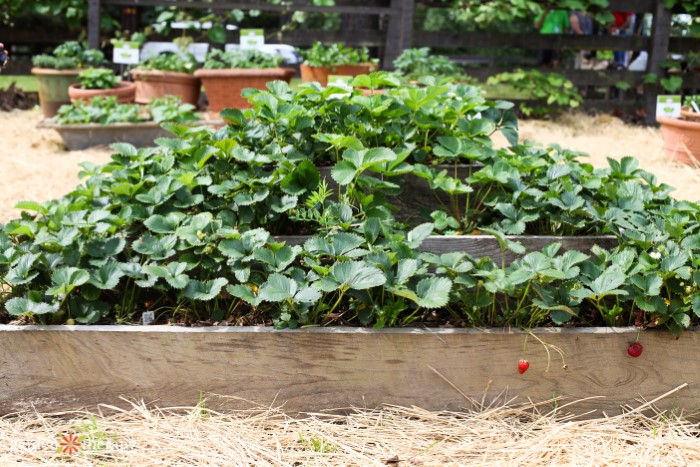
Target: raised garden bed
{"type": "Point", "coordinates": [83, 136]}
{"type": "Point", "coordinates": [62, 368]}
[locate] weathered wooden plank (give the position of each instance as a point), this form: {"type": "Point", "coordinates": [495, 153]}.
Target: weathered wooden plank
{"type": "Point", "coordinates": [532, 41]}
{"type": "Point", "coordinates": [59, 368]}
{"type": "Point", "coordinates": [683, 44]}
{"type": "Point", "coordinates": [399, 32]}
{"type": "Point", "coordinates": [93, 36]}
{"type": "Point", "coordinates": [658, 52]}
{"type": "Point", "coordinates": [578, 77]}
{"type": "Point", "coordinates": [356, 38]}
{"type": "Point", "coordinates": [263, 6]}
{"type": "Point", "coordinates": [481, 246]}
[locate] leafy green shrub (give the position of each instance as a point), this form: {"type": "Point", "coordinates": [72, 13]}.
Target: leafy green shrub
{"type": "Point", "coordinates": [552, 88]}
{"type": "Point", "coordinates": [107, 110]}
{"type": "Point", "coordinates": [70, 55]}
{"type": "Point", "coordinates": [187, 229]}
{"type": "Point", "coordinates": [98, 78]}
{"type": "Point", "coordinates": [689, 100]}
{"type": "Point", "coordinates": [171, 62]}
{"type": "Point", "coordinates": [320, 55]}
{"type": "Point", "coordinates": [416, 63]}
{"type": "Point", "coordinates": [241, 58]}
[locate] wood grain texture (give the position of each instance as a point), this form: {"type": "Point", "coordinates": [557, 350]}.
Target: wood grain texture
{"type": "Point", "coordinates": [480, 246]}
{"type": "Point", "coordinates": [59, 368]}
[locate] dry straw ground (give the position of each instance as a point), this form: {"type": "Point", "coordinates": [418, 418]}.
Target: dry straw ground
{"type": "Point", "coordinates": [36, 167]}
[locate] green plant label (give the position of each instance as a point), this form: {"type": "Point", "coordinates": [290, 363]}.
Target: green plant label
{"type": "Point", "coordinates": [668, 106]}
{"type": "Point", "coordinates": [340, 80]}
{"type": "Point", "coordinates": [252, 38]}
{"type": "Point", "coordinates": [125, 52]}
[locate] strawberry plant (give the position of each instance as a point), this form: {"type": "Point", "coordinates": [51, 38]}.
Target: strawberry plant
{"type": "Point", "coordinates": [70, 55]}
{"type": "Point", "coordinates": [171, 62]}
{"type": "Point", "coordinates": [320, 55]}
{"type": "Point", "coordinates": [98, 78]}
{"type": "Point", "coordinates": [419, 62]}
{"type": "Point", "coordinates": [240, 58]}
{"type": "Point", "coordinates": [106, 110]}
{"type": "Point", "coordinates": [188, 229]}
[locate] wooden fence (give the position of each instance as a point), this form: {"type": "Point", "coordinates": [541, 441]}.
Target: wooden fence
{"type": "Point", "coordinates": [388, 26]}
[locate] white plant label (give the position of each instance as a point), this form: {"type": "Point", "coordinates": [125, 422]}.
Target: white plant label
{"type": "Point", "coordinates": [148, 317]}
{"type": "Point", "coordinates": [341, 81]}
{"type": "Point", "coordinates": [668, 106]}
{"type": "Point", "coordinates": [125, 52]}
{"type": "Point", "coordinates": [252, 38]}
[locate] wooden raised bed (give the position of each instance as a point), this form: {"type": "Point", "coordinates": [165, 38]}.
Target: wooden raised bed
{"type": "Point", "coordinates": [83, 136]}
{"type": "Point", "coordinates": [480, 246]}
{"type": "Point", "coordinates": [61, 367]}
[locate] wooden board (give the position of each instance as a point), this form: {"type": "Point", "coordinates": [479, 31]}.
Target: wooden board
{"type": "Point", "coordinates": [57, 368]}
{"type": "Point", "coordinates": [480, 246]}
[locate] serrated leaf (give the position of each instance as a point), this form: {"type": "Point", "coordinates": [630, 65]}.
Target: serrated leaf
{"type": "Point", "coordinates": [245, 293]}
{"type": "Point", "coordinates": [21, 306]}
{"type": "Point", "coordinates": [107, 276]}
{"type": "Point", "coordinates": [162, 224]}
{"type": "Point", "coordinates": [419, 233]}
{"type": "Point", "coordinates": [66, 279]}
{"type": "Point", "coordinates": [433, 292]}
{"type": "Point", "coordinates": [205, 291]}
{"type": "Point", "coordinates": [357, 275]}
{"type": "Point", "coordinates": [277, 288]}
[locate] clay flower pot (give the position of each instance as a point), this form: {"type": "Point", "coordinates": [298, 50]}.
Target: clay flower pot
{"type": "Point", "coordinates": [320, 73]}
{"type": "Point", "coordinates": [125, 92]}
{"type": "Point", "coordinates": [688, 114]}
{"type": "Point", "coordinates": [53, 88]}
{"type": "Point", "coordinates": [224, 86]}
{"type": "Point", "coordinates": [681, 140]}
{"type": "Point", "coordinates": [152, 84]}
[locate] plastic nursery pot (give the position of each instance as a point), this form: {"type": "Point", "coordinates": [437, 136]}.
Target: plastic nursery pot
{"type": "Point", "coordinates": [681, 140]}
{"type": "Point", "coordinates": [320, 73]}
{"type": "Point", "coordinates": [53, 88]}
{"type": "Point", "coordinates": [152, 84]}
{"type": "Point", "coordinates": [224, 87]}
{"type": "Point", "coordinates": [124, 92]}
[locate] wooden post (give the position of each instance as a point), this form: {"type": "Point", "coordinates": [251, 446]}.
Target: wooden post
{"type": "Point", "coordinates": [93, 37]}
{"type": "Point", "coordinates": [658, 51]}
{"type": "Point", "coordinates": [399, 31]}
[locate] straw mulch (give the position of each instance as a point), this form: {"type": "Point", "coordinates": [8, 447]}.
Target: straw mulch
{"type": "Point", "coordinates": [399, 436]}
{"type": "Point", "coordinates": [36, 166]}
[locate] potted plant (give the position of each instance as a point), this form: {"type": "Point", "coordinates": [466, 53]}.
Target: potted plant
{"type": "Point", "coordinates": [226, 74]}
{"type": "Point", "coordinates": [416, 63]}
{"type": "Point", "coordinates": [55, 73]}
{"type": "Point", "coordinates": [167, 74]}
{"type": "Point", "coordinates": [682, 135]}
{"type": "Point", "coordinates": [95, 82]}
{"type": "Point", "coordinates": [103, 120]}
{"type": "Point", "coordinates": [320, 61]}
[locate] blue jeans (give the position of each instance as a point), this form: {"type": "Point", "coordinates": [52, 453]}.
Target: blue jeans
{"type": "Point", "coordinates": [620, 55]}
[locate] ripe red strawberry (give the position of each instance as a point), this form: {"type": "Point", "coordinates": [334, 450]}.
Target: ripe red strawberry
{"type": "Point", "coordinates": [523, 365]}
{"type": "Point", "coordinates": [148, 304]}
{"type": "Point", "coordinates": [635, 350]}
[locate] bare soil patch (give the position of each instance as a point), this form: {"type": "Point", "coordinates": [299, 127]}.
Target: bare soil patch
{"type": "Point", "coordinates": [35, 164]}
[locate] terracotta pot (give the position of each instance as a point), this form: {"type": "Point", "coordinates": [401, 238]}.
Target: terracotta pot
{"type": "Point", "coordinates": [681, 140]}
{"type": "Point", "coordinates": [125, 92]}
{"type": "Point", "coordinates": [690, 115]}
{"type": "Point", "coordinates": [369, 92]}
{"type": "Point", "coordinates": [53, 88]}
{"type": "Point", "coordinates": [320, 74]}
{"type": "Point", "coordinates": [223, 87]}
{"type": "Point", "coordinates": [152, 84]}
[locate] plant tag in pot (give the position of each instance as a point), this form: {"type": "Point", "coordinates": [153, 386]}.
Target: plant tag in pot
{"type": "Point", "coordinates": [668, 106]}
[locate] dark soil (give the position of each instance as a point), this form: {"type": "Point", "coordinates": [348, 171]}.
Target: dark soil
{"type": "Point", "coordinates": [15, 98]}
